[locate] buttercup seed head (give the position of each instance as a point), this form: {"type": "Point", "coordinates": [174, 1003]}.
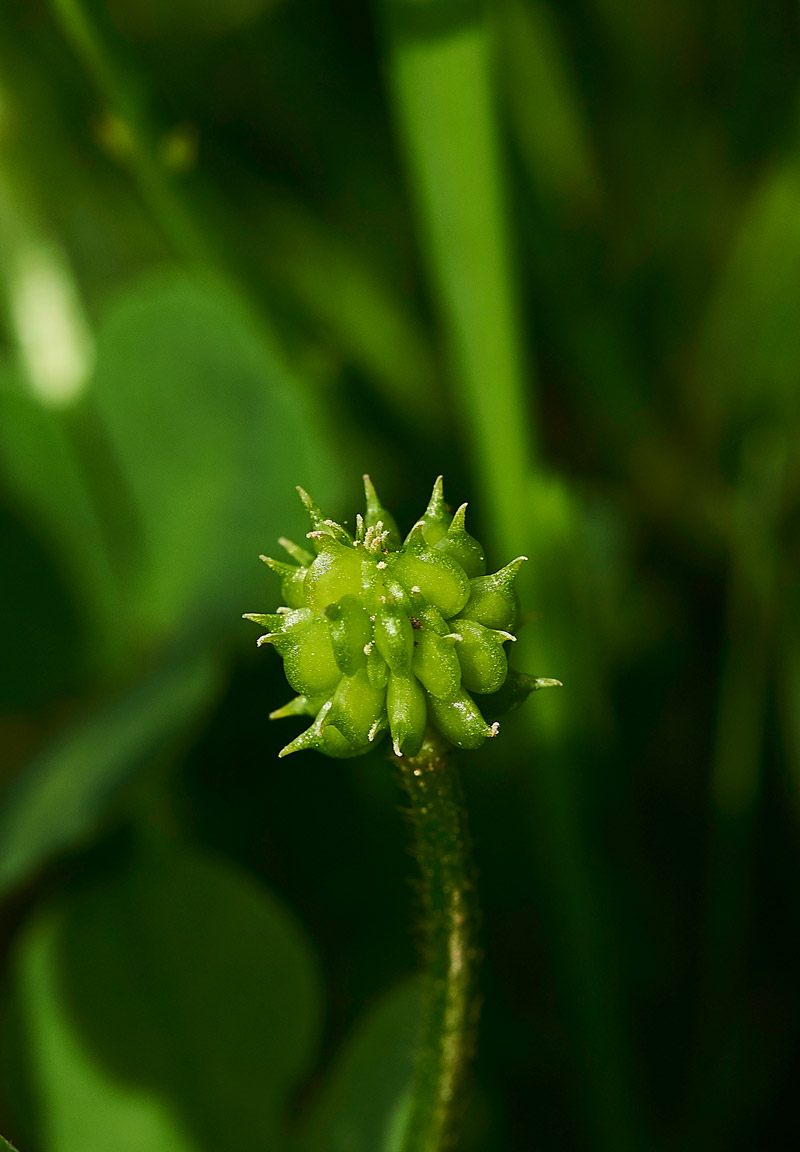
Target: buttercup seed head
{"type": "Point", "coordinates": [382, 635]}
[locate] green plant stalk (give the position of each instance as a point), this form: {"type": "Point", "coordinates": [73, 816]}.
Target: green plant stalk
{"type": "Point", "coordinates": [450, 909]}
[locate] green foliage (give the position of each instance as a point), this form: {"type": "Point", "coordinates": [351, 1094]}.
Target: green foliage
{"type": "Point", "coordinates": [358, 311]}
{"type": "Point", "coordinates": [171, 1003]}
{"type": "Point", "coordinates": [538, 73]}
{"type": "Point", "coordinates": [59, 801]}
{"type": "Point", "coordinates": [552, 251]}
{"type": "Point", "coordinates": [193, 456]}
{"type": "Point", "coordinates": [40, 467]}
{"type": "Point", "coordinates": [751, 354]}
{"type": "Point", "coordinates": [361, 1105]}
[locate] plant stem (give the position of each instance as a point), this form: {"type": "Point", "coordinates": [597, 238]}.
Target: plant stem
{"type": "Point", "coordinates": [450, 910]}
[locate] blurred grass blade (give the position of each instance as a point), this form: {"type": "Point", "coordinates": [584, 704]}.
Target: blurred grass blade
{"type": "Point", "coordinates": [751, 617]}
{"type": "Point", "coordinates": [360, 1106]}
{"type": "Point", "coordinates": [57, 800]}
{"type": "Point", "coordinates": [564, 732]}
{"type": "Point", "coordinates": [746, 406]}
{"type": "Point", "coordinates": [789, 684]}
{"type": "Point", "coordinates": [47, 475]}
{"type": "Point", "coordinates": [41, 298]}
{"type": "Point", "coordinates": [355, 308]}
{"type": "Point", "coordinates": [749, 361]}
{"type": "Point", "coordinates": [440, 68]}
{"type": "Point", "coordinates": [170, 999]}
{"type": "Point", "coordinates": [544, 108]}
{"type": "Point", "coordinates": [736, 782]}
{"type": "Point", "coordinates": [5, 1146]}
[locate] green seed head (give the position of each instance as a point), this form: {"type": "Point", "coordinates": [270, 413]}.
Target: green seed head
{"type": "Point", "coordinates": [383, 635]}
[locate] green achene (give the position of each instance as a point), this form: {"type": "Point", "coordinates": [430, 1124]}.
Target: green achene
{"type": "Point", "coordinates": [383, 635]}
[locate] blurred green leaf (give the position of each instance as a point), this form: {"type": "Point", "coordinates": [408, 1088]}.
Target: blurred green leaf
{"type": "Point", "coordinates": [38, 289]}
{"type": "Point", "coordinates": [171, 1001]}
{"type": "Point", "coordinates": [559, 641]}
{"type": "Point", "coordinates": [569, 728]}
{"type": "Point", "coordinates": [367, 317]}
{"type": "Point", "coordinates": [211, 441]}
{"type": "Point", "coordinates": [750, 354]}
{"type": "Point", "coordinates": [360, 1107]}
{"type": "Point", "coordinates": [789, 687]}
{"type": "Point", "coordinates": [58, 799]}
{"type": "Point", "coordinates": [5, 1144]}
{"type": "Point", "coordinates": [545, 109]}
{"type": "Point", "coordinates": [28, 579]}
{"type": "Point", "coordinates": [80, 1106]}
{"type": "Point", "coordinates": [40, 466]}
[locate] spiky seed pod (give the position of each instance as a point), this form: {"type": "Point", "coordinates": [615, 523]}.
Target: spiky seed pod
{"type": "Point", "coordinates": [383, 634]}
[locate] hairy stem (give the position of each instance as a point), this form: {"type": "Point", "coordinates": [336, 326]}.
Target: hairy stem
{"type": "Point", "coordinates": [450, 910]}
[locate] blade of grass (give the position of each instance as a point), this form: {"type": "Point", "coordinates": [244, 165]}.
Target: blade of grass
{"type": "Point", "coordinates": [789, 685]}
{"type": "Point", "coordinates": [345, 296]}
{"type": "Point", "coordinates": [544, 109]}
{"type": "Point", "coordinates": [735, 786]}
{"type": "Point", "coordinates": [441, 81]}
{"type": "Point", "coordinates": [747, 370]}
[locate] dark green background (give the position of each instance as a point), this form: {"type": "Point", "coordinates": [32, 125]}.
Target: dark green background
{"type": "Point", "coordinates": [553, 252]}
